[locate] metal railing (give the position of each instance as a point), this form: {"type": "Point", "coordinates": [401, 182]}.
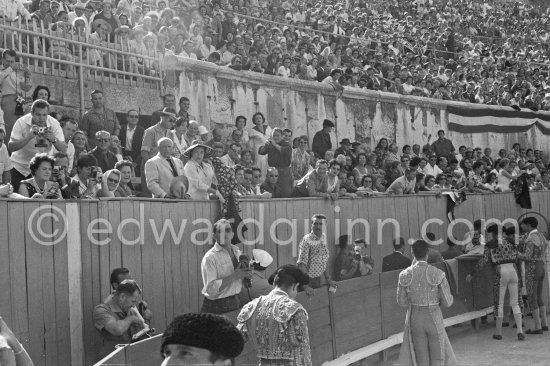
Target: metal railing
{"type": "Point", "coordinates": [65, 52]}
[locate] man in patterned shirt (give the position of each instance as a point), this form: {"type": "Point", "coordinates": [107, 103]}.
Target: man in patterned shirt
{"type": "Point", "coordinates": [313, 254]}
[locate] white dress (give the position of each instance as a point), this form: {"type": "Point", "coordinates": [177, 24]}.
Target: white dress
{"type": "Point", "coordinates": [503, 182]}
{"type": "Point", "coordinates": [258, 139]}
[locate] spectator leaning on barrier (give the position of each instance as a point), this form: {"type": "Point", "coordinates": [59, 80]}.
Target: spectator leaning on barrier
{"type": "Point", "coordinates": [33, 133]}
{"type": "Point", "coordinates": [313, 254]}
{"type": "Point", "coordinates": [314, 183]}
{"type": "Point", "coordinates": [99, 118]}
{"type": "Point", "coordinates": [162, 168]}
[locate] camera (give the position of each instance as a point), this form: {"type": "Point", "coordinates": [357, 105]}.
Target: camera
{"type": "Point", "coordinates": [41, 141]}
{"type": "Point", "coordinates": [56, 170]}
{"type": "Point", "coordinates": [95, 172]}
{"type": "Point", "coordinates": [357, 256]}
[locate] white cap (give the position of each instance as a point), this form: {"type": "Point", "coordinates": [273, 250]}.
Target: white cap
{"type": "Point", "coordinates": [202, 130]}
{"type": "Point", "coordinates": [262, 257]}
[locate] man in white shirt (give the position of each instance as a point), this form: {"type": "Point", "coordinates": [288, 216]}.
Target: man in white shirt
{"type": "Point", "coordinates": [206, 48]}
{"type": "Point", "coordinates": [33, 133]}
{"type": "Point", "coordinates": [188, 50]}
{"type": "Point", "coordinates": [404, 184]}
{"type": "Point", "coordinates": [223, 272]}
{"type": "Point", "coordinates": [432, 168]}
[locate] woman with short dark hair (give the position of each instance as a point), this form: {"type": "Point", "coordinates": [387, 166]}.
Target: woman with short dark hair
{"type": "Point", "coordinates": [40, 186]}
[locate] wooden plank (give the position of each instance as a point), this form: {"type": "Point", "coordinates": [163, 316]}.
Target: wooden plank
{"type": "Point", "coordinates": [147, 270]}
{"type": "Point", "coordinates": [61, 262]}
{"type": "Point", "coordinates": [6, 306]}
{"type": "Point", "coordinates": [115, 245]}
{"type": "Point", "coordinates": [158, 292]}
{"type": "Point", "coordinates": [18, 275]}
{"type": "Point", "coordinates": [33, 254]}
{"type": "Point", "coordinates": [87, 304]}
{"type": "Point", "coordinates": [105, 238]}
{"type": "Point", "coordinates": [74, 284]}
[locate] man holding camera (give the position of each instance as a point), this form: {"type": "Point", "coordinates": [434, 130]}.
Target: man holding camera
{"type": "Point", "coordinates": [33, 133]}
{"type": "Point", "coordinates": [222, 274]}
{"type": "Point", "coordinates": [114, 318]}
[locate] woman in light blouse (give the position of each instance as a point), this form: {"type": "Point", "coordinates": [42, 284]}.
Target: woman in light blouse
{"type": "Point", "coordinates": [199, 173]}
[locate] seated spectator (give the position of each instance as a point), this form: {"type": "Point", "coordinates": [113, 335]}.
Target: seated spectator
{"type": "Point", "coordinates": [106, 159]}
{"type": "Point", "coordinates": [270, 184]}
{"type": "Point", "coordinates": [397, 260]}
{"type": "Point", "coordinates": [110, 180]}
{"type": "Point", "coordinates": [367, 189]}
{"type": "Point", "coordinates": [161, 169]}
{"type": "Point", "coordinates": [60, 174]}
{"type": "Point", "coordinates": [125, 187]}
{"type": "Point", "coordinates": [80, 142]}
{"type": "Point", "coordinates": [87, 181]}
{"type": "Point", "coordinates": [404, 184]}
{"type": "Point", "coordinates": [199, 173]}
{"type": "Point", "coordinates": [32, 134]}
{"type": "Point", "coordinates": [40, 185]}
{"type": "Point", "coordinates": [5, 163]}
{"type": "Point", "coordinates": [114, 318]}
{"type": "Point", "coordinates": [192, 133]}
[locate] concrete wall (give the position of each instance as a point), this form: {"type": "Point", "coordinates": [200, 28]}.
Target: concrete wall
{"type": "Point", "coordinates": [219, 94]}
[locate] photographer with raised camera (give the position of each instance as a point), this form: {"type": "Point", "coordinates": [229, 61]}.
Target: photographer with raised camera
{"type": "Point", "coordinates": [60, 174]}
{"type": "Point", "coordinates": [88, 180]}
{"type": "Point", "coordinates": [32, 134]}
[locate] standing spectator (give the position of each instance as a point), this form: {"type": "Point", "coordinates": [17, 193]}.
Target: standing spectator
{"type": "Point", "coordinates": [279, 155]}
{"type": "Point", "coordinates": [201, 339]}
{"type": "Point", "coordinates": [321, 140]}
{"type": "Point", "coordinates": [301, 159]}
{"type": "Point", "coordinates": [443, 146]}
{"type": "Point", "coordinates": [99, 118]}
{"type": "Point", "coordinates": [199, 173]}
{"type": "Point", "coordinates": [153, 134]}
{"type": "Point", "coordinates": [397, 259]}
{"type": "Point", "coordinates": [69, 127]}
{"type": "Point", "coordinates": [9, 87]}
{"type": "Point", "coordinates": [240, 123]}
{"type": "Point", "coordinates": [287, 340]}
{"type": "Point", "coordinates": [106, 159]}
{"type": "Point", "coordinates": [131, 137]}
{"type": "Point", "coordinates": [259, 135]}
{"type": "Point", "coordinates": [162, 168]}
{"type": "Point", "coordinates": [168, 101]}
{"type": "Point", "coordinates": [33, 133]}
{"type": "Point", "coordinates": [114, 318]}
{"type": "Point", "coordinates": [5, 163]}
{"type": "Point", "coordinates": [184, 104]}
{"type": "Point", "coordinates": [344, 149]}
{"type": "Point", "coordinates": [222, 276]}
{"type": "Point", "coordinates": [313, 254]}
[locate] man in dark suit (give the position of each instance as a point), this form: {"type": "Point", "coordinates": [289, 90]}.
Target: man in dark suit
{"type": "Point", "coordinates": [321, 140]}
{"type": "Point", "coordinates": [131, 137]}
{"type": "Point", "coordinates": [397, 259]}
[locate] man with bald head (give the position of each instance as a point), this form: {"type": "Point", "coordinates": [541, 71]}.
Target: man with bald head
{"type": "Point", "coordinates": [161, 169]}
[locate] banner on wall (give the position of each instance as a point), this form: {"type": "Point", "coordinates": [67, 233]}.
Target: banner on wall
{"type": "Point", "coordinates": [472, 118]}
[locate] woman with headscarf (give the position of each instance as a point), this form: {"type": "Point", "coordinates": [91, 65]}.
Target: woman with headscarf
{"type": "Point", "coordinates": [125, 188]}
{"type": "Point", "coordinates": [109, 183]}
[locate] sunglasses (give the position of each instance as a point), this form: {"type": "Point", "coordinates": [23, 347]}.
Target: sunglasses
{"type": "Point", "coordinates": [104, 140]}
{"type": "Point", "coordinates": [133, 116]}
{"type": "Point", "coordinates": [112, 180]}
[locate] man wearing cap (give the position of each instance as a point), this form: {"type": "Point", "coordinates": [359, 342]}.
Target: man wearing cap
{"type": "Point", "coordinates": [162, 168]}
{"type": "Point", "coordinates": [321, 140]}
{"type": "Point", "coordinates": [313, 253]}
{"type": "Point", "coordinates": [201, 339]}
{"type": "Point", "coordinates": [259, 285]}
{"type": "Point", "coordinates": [168, 101]}
{"type": "Point", "coordinates": [99, 118]}
{"type": "Point", "coordinates": [276, 324]}
{"type": "Point", "coordinates": [222, 274]}
{"type": "Point", "coordinates": [344, 149]}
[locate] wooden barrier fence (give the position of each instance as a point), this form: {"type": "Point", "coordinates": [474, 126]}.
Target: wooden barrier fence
{"type": "Point", "coordinates": [50, 290]}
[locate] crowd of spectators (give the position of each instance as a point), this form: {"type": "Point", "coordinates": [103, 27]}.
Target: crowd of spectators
{"type": "Point", "coordinates": [54, 156]}
{"type": "Point", "coordinates": [482, 52]}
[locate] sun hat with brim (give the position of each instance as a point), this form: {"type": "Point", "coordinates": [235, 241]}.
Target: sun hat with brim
{"type": "Point", "coordinates": [103, 23]}
{"type": "Point", "coordinates": [122, 28]}
{"type": "Point", "coordinates": [168, 112]}
{"type": "Point", "coordinates": [197, 143]}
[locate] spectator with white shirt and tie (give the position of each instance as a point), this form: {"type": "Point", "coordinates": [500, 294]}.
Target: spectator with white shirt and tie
{"type": "Point", "coordinates": [161, 169]}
